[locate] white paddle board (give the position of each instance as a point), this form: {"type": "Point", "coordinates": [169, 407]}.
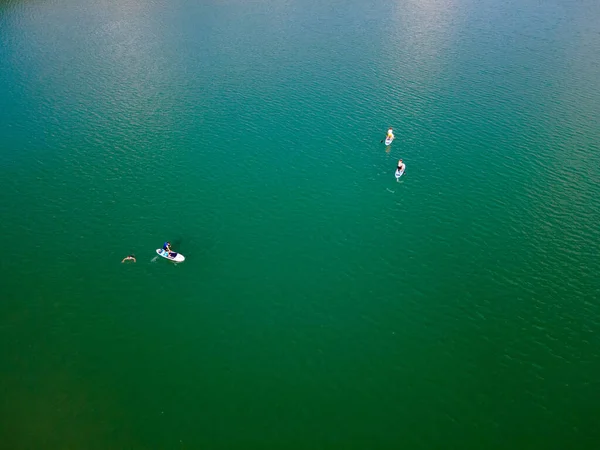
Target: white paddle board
{"type": "Point", "coordinates": [173, 256]}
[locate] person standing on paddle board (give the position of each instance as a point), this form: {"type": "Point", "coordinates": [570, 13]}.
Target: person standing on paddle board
{"type": "Point", "coordinates": [389, 137]}
{"type": "Point", "coordinates": [401, 166]}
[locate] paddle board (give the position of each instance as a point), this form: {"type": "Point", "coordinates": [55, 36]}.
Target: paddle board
{"type": "Point", "coordinates": [178, 257]}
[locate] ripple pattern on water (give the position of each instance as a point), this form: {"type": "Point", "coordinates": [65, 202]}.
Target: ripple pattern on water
{"type": "Point", "coordinates": [321, 302]}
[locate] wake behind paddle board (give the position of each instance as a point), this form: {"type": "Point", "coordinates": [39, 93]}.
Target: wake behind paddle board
{"type": "Point", "coordinates": [389, 139]}
{"type": "Point", "coordinates": [399, 173]}
{"type": "Point", "coordinates": [178, 257]}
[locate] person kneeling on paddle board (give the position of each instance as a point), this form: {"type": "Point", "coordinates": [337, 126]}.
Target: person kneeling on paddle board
{"type": "Point", "coordinates": [400, 166]}
{"type": "Point", "coordinates": [390, 134]}
{"type": "Point", "coordinates": [167, 248]}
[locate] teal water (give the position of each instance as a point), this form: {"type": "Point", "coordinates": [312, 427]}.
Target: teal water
{"type": "Point", "coordinates": [322, 304]}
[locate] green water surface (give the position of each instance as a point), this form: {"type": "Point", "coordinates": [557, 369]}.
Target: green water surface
{"type": "Point", "coordinates": [322, 304]}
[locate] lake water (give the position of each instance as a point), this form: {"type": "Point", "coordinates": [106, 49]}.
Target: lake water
{"type": "Point", "coordinates": [322, 304]}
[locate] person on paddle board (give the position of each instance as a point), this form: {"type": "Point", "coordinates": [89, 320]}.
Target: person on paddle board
{"type": "Point", "coordinates": [167, 248]}
{"type": "Point", "coordinates": [390, 134]}
{"type": "Point", "coordinates": [401, 166]}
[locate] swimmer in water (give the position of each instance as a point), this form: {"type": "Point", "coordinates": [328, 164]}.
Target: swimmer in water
{"type": "Point", "coordinates": [129, 258]}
